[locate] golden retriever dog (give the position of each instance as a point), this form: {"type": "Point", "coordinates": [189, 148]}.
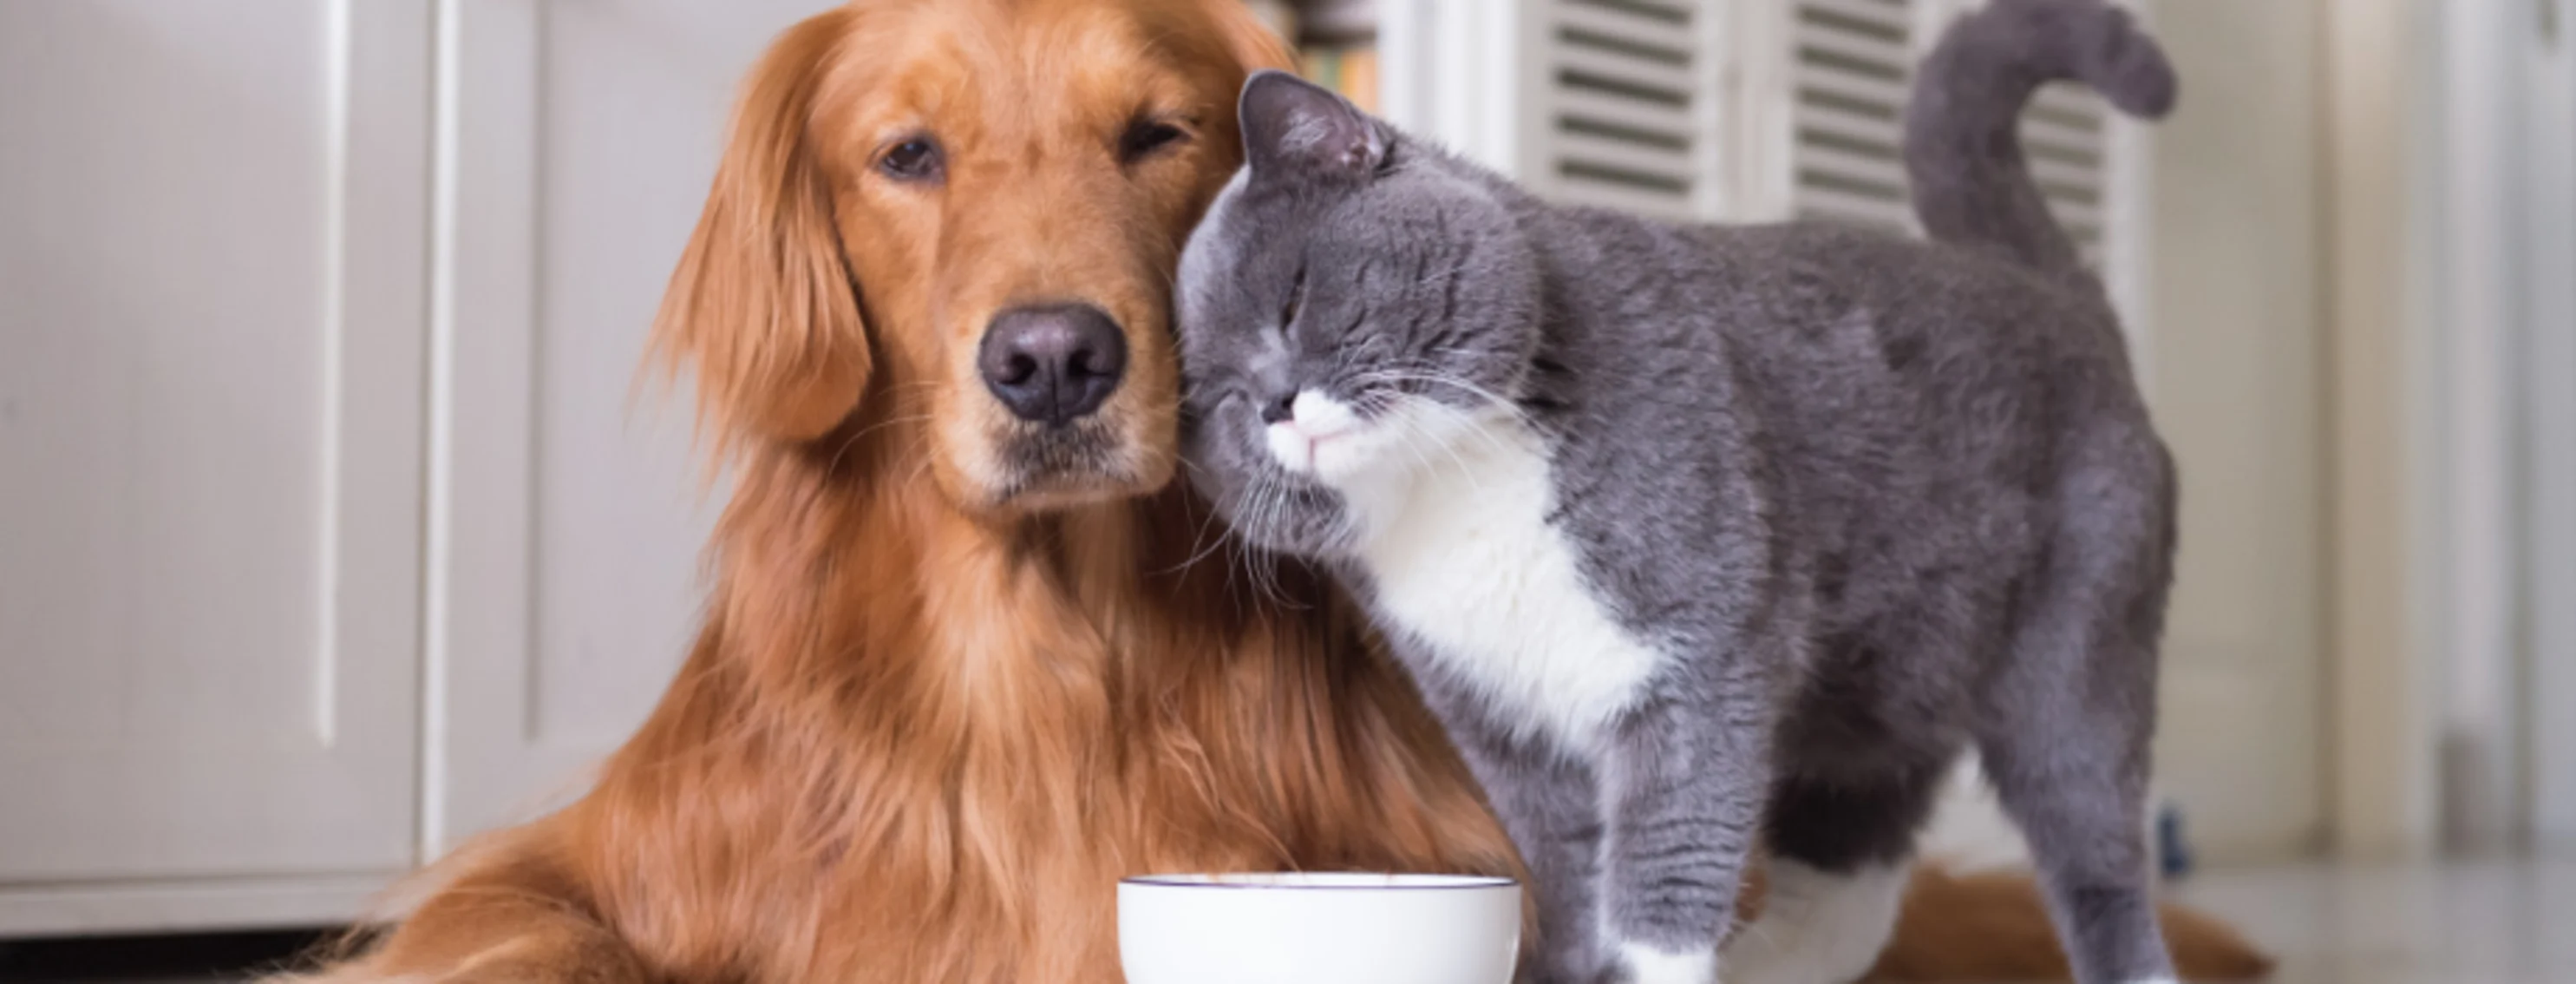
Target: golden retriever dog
{"type": "Point", "coordinates": [968, 660]}
{"type": "Point", "coordinates": [959, 672]}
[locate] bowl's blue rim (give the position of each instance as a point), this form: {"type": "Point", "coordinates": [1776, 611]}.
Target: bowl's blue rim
{"type": "Point", "coordinates": [1462, 882]}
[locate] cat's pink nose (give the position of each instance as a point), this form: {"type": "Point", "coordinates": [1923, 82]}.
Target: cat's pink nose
{"type": "Point", "coordinates": [1308, 418]}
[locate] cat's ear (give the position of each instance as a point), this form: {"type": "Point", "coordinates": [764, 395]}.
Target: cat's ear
{"type": "Point", "coordinates": [1292, 125]}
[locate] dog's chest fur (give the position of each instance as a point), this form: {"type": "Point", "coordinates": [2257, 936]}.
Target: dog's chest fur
{"type": "Point", "coordinates": [1464, 559]}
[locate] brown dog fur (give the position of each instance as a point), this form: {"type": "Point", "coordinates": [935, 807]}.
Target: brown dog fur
{"type": "Point", "coordinates": [936, 711]}
{"type": "Point", "coordinates": [1992, 926]}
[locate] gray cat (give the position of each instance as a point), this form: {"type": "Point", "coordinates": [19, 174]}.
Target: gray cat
{"type": "Point", "coordinates": [1697, 535]}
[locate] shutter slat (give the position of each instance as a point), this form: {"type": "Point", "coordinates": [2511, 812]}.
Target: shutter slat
{"type": "Point", "coordinates": [1660, 163]}
{"type": "Point", "coordinates": [2075, 215]}
{"type": "Point", "coordinates": [1857, 129]}
{"type": "Point", "coordinates": [2066, 99]}
{"type": "Point", "coordinates": [1670, 11]}
{"type": "Point", "coordinates": [2052, 174]}
{"type": "Point", "coordinates": [2045, 136]}
{"type": "Point", "coordinates": [1890, 17]}
{"type": "Point", "coordinates": [1840, 163]}
{"type": "Point", "coordinates": [1626, 70]}
{"type": "Point", "coordinates": [1643, 32]}
{"type": "Point", "coordinates": [1630, 113]}
{"type": "Point", "coordinates": [1858, 88]}
{"type": "Point", "coordinates": [1844, 44]}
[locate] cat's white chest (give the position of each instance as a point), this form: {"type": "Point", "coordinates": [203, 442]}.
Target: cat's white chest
{"type": "Point", "coordinates": [1464, 558]}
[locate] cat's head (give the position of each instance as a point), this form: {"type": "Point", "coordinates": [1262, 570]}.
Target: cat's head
{"type": "Point", "coordinates": [1353, 306]}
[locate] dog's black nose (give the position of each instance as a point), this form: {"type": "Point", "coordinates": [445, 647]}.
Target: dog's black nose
{"type": "Point", "coordinates": [1053, 364]}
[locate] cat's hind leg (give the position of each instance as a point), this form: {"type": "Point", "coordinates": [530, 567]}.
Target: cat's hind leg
{"type": "Point", "coordinates": [2065, 724]}
{"type": "Point", "coordinates": [1841, 853]}
{"type": "Point", "coordinates": [2079, 807]}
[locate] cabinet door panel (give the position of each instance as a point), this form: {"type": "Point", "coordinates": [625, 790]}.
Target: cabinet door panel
{"type": "Point", "coordinates": [586, 140]}
{"type": "Point", "coordinates": [212, 245]}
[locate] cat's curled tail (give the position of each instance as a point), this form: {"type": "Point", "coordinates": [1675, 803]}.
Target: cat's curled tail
{"type": "Point", "coordinates": [1972, 186]}
{"type": "Point", "coordinates": [1971, 181]}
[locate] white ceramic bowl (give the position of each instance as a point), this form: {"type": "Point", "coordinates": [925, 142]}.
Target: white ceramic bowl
{"type": "Point", "coordinates": [1318, 929]}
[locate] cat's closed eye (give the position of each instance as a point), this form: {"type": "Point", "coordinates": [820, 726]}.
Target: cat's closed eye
{"type": "Point", "coordinates": [1296, 294]}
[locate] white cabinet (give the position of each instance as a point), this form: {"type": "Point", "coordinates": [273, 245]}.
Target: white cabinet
{"type": "Point", "coordinates": [567, 515]}
{"type": "Point", "coordinates": [332, 524]}
{"type": "Point", "coordinates": [211, 254]}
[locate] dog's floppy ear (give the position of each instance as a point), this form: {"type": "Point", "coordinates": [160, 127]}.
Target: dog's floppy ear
{"type": "Point", "coordinates": [763, 306]}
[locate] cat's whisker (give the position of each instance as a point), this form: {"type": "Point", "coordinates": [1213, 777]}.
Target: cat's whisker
{"type": "Point", "coordinates": [1492, 439]}
{"type": "Point", "coordinates": [1285, 510]}
{"type": "Point", "coordinates": [1240, 555]}
{"type": "Point", "coordinates": [1246, 515]}
{"type": "Point", "coordinates": [1470, 388]}
{"type": "Point", "coordinates": [1410, 426]}
{"type": "Point", "coordinates": [1463, 385]}
{"type": "Point", "coordinates": [1243, 535]}
{"type": "Point", "coordinates": [1451, 449]}
{"type": "Point", "coordinates": [1406, 431]}
{"type": "Point", "coordinates": [1200, 535]}
{"type": "Point", "coordinates": [1401, 430]}
{"type": "Point", "coordinates": [1266, 495]}
{"type": "Point", "coordinates": [1229, 545]}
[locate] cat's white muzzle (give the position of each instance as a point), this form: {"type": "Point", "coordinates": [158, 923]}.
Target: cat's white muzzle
{"type": "Point", "coordinates": [1322, 437]}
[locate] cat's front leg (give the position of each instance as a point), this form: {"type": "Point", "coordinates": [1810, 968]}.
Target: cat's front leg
{"type": "Point", "coordinates": [1549, 802]}
{"type": "Point", "coordinates": [1682, 783]}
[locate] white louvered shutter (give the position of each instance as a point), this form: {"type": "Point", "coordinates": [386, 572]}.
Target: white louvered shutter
{"type": "Point", "coordinates": [1626, 104]}
{"type": "Point", "coordinates": [1752, 110]}
{"type": "Point", "coordinates": [1850, 64]}
{"type": "Point", "coordinates": [1727, 110]}
{"type": "Point", "coordinates": [1852, 68]}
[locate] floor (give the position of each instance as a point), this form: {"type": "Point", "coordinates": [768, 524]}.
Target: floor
{"type": "Point", "coordinates": [2485, 922]}
{"type": "Point", "coordinates": [150, 960]}
{"type": "Point", "coordinates": [2490, 922]}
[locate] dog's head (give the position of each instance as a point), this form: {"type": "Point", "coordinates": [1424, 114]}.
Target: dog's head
{"type": "Point", "coordinates": [962, 216]}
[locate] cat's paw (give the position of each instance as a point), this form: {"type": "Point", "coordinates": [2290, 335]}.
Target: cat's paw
{"type": "Point", "coordinates": [1566, 975]}
{"type": "Point", "coordinates": [1586, 965]}
{"type": "Point", "coordinates": [1650, 964]}
{"type": "Point", "coordinates": [1817, 927]}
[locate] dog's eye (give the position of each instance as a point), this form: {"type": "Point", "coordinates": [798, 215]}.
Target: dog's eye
{"type": "Point", "coordinates": [1144, 137]}
{"type": "Point", "coordinates": [916, 159]}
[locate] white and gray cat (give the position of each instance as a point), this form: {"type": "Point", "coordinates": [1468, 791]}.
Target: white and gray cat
{"type": "Point", "coordinates": [1693, 536]}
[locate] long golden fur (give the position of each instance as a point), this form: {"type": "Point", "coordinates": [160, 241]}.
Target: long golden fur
{"type": "Point", "coordinates": [944, 698]}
